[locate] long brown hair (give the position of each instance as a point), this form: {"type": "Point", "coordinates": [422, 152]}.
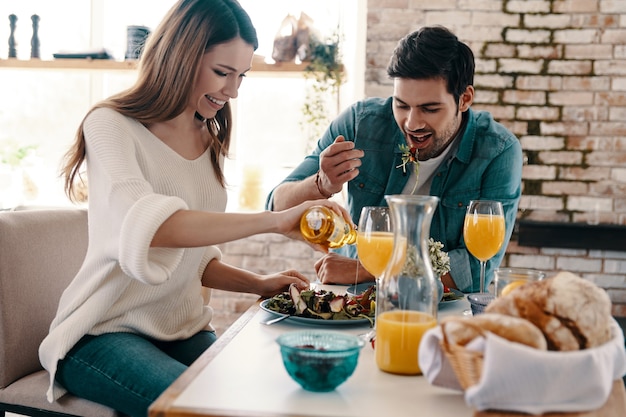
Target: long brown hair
{"type": "Point", "coordinates": [167, 71]}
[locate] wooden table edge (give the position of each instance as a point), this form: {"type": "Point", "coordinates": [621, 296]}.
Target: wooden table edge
{"type": "Point", "coordinates": [163, 406]}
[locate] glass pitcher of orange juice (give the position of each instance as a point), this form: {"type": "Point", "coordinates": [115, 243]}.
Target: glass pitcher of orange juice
{"type": "Point", "coordinates": [406, 292]}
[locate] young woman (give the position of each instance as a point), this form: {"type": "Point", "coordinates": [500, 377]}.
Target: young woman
{"type": "Point", "coordinates": [136, 314]}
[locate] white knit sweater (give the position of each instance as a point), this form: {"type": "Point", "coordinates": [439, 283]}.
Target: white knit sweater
{"type": "Point", "coordinates": [135, 183]}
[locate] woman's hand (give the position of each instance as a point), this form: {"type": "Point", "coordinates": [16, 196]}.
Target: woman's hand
{"type": "Point", "coordinates": [337, 269]}
{"type": "Point", "coordinates": [270, 285]}
{"type": "Point", "coordinates": [226, 277]}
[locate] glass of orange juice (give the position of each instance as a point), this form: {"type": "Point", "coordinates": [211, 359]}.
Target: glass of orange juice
{"type": "Point", "coordinates": [374, 239]}
{"type": "Point", "coordinates": [483, 231]}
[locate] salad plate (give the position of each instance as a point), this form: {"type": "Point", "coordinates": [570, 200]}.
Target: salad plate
{"type": "Point", "coordinates": [320, 306]}
{"type": "Point", "coordinates": [308, 320]}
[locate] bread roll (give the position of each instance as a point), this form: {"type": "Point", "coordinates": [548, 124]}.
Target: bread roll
{"type": "Point", "coordinates": [571, 312]}
{"type": "Point", "coordinates": [462, 330]}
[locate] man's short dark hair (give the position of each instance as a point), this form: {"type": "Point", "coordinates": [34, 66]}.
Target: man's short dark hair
{"type": "Point", "coordinates": [434, 52]}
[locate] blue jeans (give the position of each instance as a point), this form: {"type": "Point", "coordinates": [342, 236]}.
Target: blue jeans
{"type": "Point", "coordinates": [126, 371]}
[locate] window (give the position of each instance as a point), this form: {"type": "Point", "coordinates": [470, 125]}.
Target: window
{"type": "Point", "coordinates": [42, 108]}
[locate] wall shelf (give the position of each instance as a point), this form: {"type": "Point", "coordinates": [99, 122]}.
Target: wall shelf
{"type": "Point", "coordinates": [259, 66]}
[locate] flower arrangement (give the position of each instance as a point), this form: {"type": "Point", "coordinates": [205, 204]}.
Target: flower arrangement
{"type": "Point", "coordinates": [438, 258]}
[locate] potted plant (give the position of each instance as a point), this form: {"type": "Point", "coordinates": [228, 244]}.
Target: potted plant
{"type": "Point", "coordinates": [324, 75]}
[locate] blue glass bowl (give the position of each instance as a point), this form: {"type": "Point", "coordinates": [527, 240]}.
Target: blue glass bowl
{"type": "Point", "coordinates": [319, 360]}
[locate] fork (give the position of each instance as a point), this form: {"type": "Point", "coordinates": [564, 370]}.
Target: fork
{"type": "Point", "coordinates": [275, 320]}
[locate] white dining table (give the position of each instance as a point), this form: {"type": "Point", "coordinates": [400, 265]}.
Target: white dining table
{"type": "Point", "coordinates": [242, 375]}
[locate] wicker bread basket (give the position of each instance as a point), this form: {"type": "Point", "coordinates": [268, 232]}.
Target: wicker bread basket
{"type": "Point", "coordinates": [526, 385]}
{"type": "Point", "coordinates": [467, 364]}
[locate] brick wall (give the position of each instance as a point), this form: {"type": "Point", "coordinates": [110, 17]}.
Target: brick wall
{"type": "Point", "coordinates": [554, 72]}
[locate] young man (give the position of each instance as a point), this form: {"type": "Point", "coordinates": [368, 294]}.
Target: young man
{"type": "Point", "coordinates": [462, 154]}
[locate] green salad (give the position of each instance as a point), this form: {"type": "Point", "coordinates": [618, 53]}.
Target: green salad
{"type": "Point", "coordinates": [325, 305]}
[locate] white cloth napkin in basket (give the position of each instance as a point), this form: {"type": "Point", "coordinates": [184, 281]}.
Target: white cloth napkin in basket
{"type": "Point", "coordinates": [519, 378]}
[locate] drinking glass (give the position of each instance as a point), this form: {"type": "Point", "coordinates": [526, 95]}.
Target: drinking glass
{"type": "Point", "coordinates": [374, 239]}
{"type": "Point", "coordinates": [483, 232]}
{"type": "Point", "coordinates": [507, 279]}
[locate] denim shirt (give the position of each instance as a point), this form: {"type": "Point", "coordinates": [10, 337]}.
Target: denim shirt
{"type": "Point", "coordinates": [486, 164]}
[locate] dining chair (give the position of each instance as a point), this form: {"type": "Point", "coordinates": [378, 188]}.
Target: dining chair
{"type": "Point", "coordinates": [40, 252]}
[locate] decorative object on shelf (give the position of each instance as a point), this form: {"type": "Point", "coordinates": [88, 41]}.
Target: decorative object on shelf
{"type": "Point", "coordinates": [100, 53]}
{"type": "Point", "coordinates": [304, 36]}
{"type": "Point", "coordinates": [34, 41]}
{"type": "Point", "coordinates": [135, 39]}
{"type": "Point", "coordinates": [285, 41]}
{"type": "Point", "coordinates": [12, 43]}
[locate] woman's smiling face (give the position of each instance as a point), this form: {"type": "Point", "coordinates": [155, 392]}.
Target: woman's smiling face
{"type": "Point", "coordinates": [221, 71]}
{"type": "Point", "coordinates": [427, 114]}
